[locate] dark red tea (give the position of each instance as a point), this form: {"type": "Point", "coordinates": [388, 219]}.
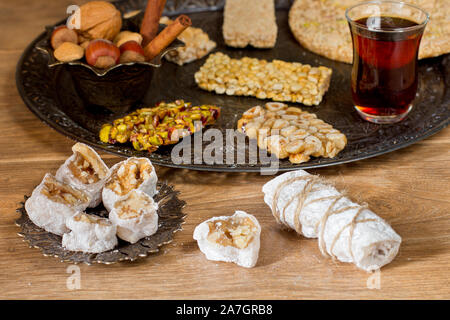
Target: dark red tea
{"type": "Point", "coordinates": [384, 75]}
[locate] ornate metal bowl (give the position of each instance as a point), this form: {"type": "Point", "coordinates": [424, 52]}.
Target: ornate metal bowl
{"type": "Point", "coordinates": [115, 88]}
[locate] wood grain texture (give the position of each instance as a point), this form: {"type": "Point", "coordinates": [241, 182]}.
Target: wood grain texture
{"type": "Point", "coordinates": [409, 188]}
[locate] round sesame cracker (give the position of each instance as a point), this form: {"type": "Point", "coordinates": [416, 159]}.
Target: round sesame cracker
{"type": "Point", "coordinates": [321, 26]}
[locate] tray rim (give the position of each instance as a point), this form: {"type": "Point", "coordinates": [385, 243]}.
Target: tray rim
{"type": "Point", "coordinates": [204, 167]}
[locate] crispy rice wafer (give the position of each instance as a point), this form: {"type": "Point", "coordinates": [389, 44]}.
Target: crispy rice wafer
{"type": "Point", "coordinates": [321, 26]}
{"type": "Point", "coordinates": [250, 22]}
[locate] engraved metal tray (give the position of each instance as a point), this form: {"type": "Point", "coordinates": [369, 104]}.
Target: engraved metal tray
{"type": "Point", "coordinates": [170, 220]}
{"type": "Point", "coordinates": [50, 94]}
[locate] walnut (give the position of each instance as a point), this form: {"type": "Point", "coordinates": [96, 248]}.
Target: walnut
{"type": "Point", "coordinates": [99, 20]}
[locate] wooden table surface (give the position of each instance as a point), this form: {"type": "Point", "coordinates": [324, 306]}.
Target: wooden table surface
{"type": "Point", "coordinates": [409, 188]}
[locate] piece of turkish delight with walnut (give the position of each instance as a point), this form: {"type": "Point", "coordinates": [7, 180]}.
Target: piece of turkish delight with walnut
{"type": "Point", "coordinates": [233, 238]}
{"type": "Point", "coordinates": [89, 233]}
{"type": "Point", "coordinates": [135, 216]}
{"type": "Point", "coordinates": [289, 132]}
{"type": "Point", "coordinates": [53, 202]}
{"type": "Point", "coordinates": [133, 173]}
{"type": "Point", "coordinates": [85, 170]}
{"type": "Point", "coordinates": [197, 45]}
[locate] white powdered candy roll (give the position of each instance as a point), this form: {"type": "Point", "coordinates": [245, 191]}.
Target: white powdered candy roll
{"type": "Point", "coordinates": [53, 202]}
{"type": "Point", "coordinates": [135, 216]}
{"type": "Point", "coordinates": [86, 171]}
{"type": "Point", "coordinates": [89, 234]}
{"type": "Point", "coordinates": [133, 173]}
{"type": "Point", "coordinates": [233, 238]}
{"type": "Point", "coordinates": [346, 230]}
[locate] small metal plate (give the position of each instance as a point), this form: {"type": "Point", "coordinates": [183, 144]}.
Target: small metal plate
{"type": "Point", "coordinates": [171, 219]}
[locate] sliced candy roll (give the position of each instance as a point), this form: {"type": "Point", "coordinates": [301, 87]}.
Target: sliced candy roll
{"type": "Point", "coordinates": [135, 216]}
{"type": "Point", "coordinates": [347, 231]}
{"type": "Point", "coordinates": [89, 233]}
{"type": "Point", "coordinates": [85, 170]}
{"type": "Point", "coordinates": [131, 174]}
{"type": "Point", "coordinates": [233, 238]}
{"type": "Point", "coordinates": [53, 202]}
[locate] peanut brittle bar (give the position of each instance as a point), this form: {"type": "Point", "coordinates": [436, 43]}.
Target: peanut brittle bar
{"type": "Point", "coordinates": [289, 132]}
{"type": "Point", "coordinates": [277, 80]}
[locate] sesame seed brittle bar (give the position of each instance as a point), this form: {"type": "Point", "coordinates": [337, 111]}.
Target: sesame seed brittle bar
{"type": "Point", "coordinates": [197, 45]}
{"type": "Point", "coordinates": [250, 22]}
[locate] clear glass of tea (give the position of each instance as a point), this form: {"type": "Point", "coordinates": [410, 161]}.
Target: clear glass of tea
{"type": "Point", "coordinates": [386, 37]}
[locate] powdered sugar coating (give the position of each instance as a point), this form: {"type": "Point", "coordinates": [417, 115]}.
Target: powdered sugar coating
{"type": "Point", "coordinates": [370, 244]}
{"type": "Point", "coordinates": [144, 221]}
{"type": "Point", "coordinates": [95, 237]}
{"type": "Point", "coordinates": [51, 215]}
{"type": "Point", "coordinates": [246, 257]}
{"type": "Point", "coordinates": [148, 185]}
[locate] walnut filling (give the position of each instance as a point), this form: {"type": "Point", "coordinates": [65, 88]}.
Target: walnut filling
{"type": "Point", "coordinates": [132, 206]}
{"type": "Point", "coordinates": [129, 176]}
{"type": "Point", "coordinates": [62, 193]}
{"type": "Point", "coordinates": [83, 170]}
{"type": "Point", "coordinates": [235, 232]}
{"type": "Point", "coordinates": [83, 217]}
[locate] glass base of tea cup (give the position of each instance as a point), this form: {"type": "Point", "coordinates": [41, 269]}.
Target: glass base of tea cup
{"type": "Point", "coordinates": [389, 119]}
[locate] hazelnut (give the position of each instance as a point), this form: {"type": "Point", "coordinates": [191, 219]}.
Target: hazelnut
{"type": "Point", "coordinates": [68, 51]}
{"type": "Point", "coordinates": [125, 36]}
{"type": "Point", "coordinates": [99, 20]}
{"type": "Point", "coordinates": [102, 53]}
{"type": "Point", "coordinates": [131, 51]}
{"type": "Point", "coordinates": [62, 34]}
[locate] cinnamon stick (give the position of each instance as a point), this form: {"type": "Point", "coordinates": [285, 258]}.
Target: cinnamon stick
{"type": "Point", "coordinates": [150, 23]}
{"type": "Point", "coordinates": [167, 36]}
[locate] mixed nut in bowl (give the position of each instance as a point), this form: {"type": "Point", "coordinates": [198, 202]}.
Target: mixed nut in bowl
{"type": "Point", "coordinates": [107, 56]}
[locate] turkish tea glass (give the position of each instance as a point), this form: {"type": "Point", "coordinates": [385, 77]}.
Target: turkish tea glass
{"type": "Point", "coordinates": [386, 37]}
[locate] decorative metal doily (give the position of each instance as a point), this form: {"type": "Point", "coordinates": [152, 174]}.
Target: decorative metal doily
{"type": "Point", "coordinates": [171, 219]}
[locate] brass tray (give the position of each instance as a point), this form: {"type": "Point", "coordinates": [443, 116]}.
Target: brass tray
{"type": "Point", "coordinates": [50, 94]}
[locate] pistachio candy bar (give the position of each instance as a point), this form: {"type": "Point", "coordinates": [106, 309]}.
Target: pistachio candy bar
{"type": "Point", "coordinates": [165, 124]}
